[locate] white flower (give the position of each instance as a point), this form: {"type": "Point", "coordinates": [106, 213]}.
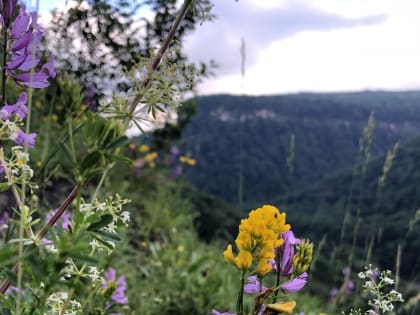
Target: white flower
{"type": "Point", "coordinates": [125, 217]}
{"type": "Point", "coordinates": [94, 274]}
{"type": "Point", "coordinates": [388, 280]}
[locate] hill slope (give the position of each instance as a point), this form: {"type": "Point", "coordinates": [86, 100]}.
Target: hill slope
{"type": "Point", "coordinates": [388, 214]}
{"type": "Point", "coordinates": [233, 135]}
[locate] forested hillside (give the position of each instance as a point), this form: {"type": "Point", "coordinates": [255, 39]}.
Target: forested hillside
{"type": "Point", "coordinates": [248, 141]}
{"type": "Point", "coordinates": [385, 214]}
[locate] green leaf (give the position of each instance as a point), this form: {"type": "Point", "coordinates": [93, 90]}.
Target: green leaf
{"type": "Point", "coordinates": [91, 160]}
{"type": "Point", "coordinates": [109, 235]}
{"type": "Point", "coordinates": [99, 239]}
{"type": "Point", "coordinates": [4, 187]}
{"type": "Point", "coordinates": [104, 221]}
{"type": "Point", "coordinates": [67, 151]}
{"type": "Point", "coordinates": [116, 157]}
{"type": "Point", "coordinates": [117, 142]}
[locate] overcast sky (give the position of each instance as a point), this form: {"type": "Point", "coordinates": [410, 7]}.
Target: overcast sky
{"type": "Point", "coordinates": [309, 45]}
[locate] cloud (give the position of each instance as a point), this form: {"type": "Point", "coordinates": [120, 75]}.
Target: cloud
{"type": "Point", "coordinates": [260, 26]}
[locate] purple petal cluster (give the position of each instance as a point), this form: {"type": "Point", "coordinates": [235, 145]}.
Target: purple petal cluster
{"type": "Point", "coordinates": [253, 285]}
{"type": "Point", "coordinates": [119, 296]}
{"type": "Point", "coordinates": [24, 53]}
{"type": "Point", "coordinates": [19, 109]}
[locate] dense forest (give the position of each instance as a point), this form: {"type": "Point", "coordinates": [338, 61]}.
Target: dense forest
{"type": "Point", "coordinates": [245, 137]}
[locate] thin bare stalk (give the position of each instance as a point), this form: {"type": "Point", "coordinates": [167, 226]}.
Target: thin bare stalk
{"type": "Point", "coordinates": [156, 61]}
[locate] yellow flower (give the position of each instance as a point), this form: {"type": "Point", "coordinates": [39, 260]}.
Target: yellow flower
{"type": "Point", "coordinates": [257, 238]}
{"type": "Point", "coordinates": [143, 148]}
{"type": "Point", "coordinates": [132, 146]}
{"type": "Point", "coordinates": [187, 160]}
{"type": "Point", "coordinates": [150, 157]}
{"type": "Point", "coordinates": [244, 260]}
{"type": "Point", "coordinates": [282, 307]}
{"type": "Point", "coordinates": [228, 255]}
{"type": "Point", "coordinates": [263, 267]}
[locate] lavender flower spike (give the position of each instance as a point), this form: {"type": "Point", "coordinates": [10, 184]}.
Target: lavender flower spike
{"type": "Point", "coordinates": [295, 284]}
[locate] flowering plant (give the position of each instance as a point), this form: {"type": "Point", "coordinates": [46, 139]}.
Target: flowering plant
{"type": "Point", "coordinates": [266, 245]}
{"type": "Point", "coordinates": [56, 265]}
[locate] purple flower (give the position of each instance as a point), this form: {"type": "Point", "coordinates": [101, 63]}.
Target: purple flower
{"type": "Point", "coordinates": [49, 67]}
{"type": "Point", "coordinates": [25, 52]}
{"type": "Point", "coordinates": [215, 312]}
{"type": "Point", "coordinates": [119, 294]}
{"type": "Point", "coordinates": [295, 284]}
{"type": "Point", "coordinates": [253, 285]}
{"type": "Point", "coordinates": [288, 252]}
{"type": "Point", "coordinates": [36, 80]}
{"type": "Point", "coordinates": [24, 139]}
{"type": "Point", "coordinates": [65, 219]}
{"type": "Point", "coordinates": [349, 287]}
{"type": "Point", "coordinates": [7, 7]}
{"type": "Point", "coordinates": [21, 24]}
{"type": "Point", "coordinates": [174, 153]}
{"type": "Point", "coordinates": [3, 221]}
{"type": "Point", "coordinates": [19, 109]}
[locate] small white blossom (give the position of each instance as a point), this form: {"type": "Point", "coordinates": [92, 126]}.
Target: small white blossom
{"type": "Point", "coordinates": [125, 217]}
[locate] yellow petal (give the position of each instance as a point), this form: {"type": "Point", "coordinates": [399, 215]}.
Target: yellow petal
{"type": "Point", "coordinates": [244, 260]}
{"type": "Point", "coordinates": [228, 255]}
{"type": "Point", "coordinates": [283, 307]}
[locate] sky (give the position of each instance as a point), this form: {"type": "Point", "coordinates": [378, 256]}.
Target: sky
{"type": "Point", "coordinates": [307, 45]}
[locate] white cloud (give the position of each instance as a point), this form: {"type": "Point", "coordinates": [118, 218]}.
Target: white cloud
{"type": "Point", "coordinates": [377, 56]}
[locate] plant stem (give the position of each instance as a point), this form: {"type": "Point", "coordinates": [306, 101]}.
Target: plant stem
{"type": "Point", "coordinates": [156, 61]}
{"type": "Point", "coordinates": [240, 302]}
{"type": "Point", "coordinates": [278, 275]}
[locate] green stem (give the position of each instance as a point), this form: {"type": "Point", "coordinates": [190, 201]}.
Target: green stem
{"type": "Point", "coordinates": [278, 275]}
{"type": "Point", "coordinates": [101, 181]}
{"type": "Point", "coordinates": [240, 302]}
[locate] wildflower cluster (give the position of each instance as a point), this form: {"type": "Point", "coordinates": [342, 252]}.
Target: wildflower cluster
{"type": "Point", "coordinates": [22, 36]}
{"type": "Point", "coordinates": [102, 219]}
{"type": "Point", "coordinates": [381, 298]}
{"type": "Point", "coordinates": [267, 245]}
{"type": "Point", "coordinates": [172, 160]}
